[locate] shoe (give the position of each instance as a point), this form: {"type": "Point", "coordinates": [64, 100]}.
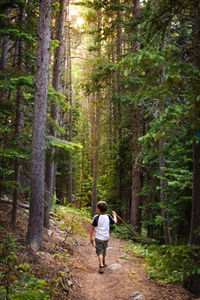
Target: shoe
{"type": "Point", "coordinates": [101, 270]}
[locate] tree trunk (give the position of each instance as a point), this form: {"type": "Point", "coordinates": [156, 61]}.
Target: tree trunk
{"type": "Point", "coordinates": [4, 51]}
{"type": "Point", "coordinates": [19, 122]}
{"type": "Point", "coordinates": [192, 282]}
{"type": "Point", "coordinates": [118, 92]}
{"type": "Point", "coordinates": [135, 211]}
{"type": "Point", "coordinates": [95, 122]}
{"type": "Point", "coordinates": [69, 95]}
{"type": "Point", "coordinates": [195, 220]}
{"type": "Point", "coordinates": [163, 196]}
{"type": "Point", "coordinates": [37, 189]}
{"type": "Point", "coordinates": [4, 48]}
{"type": "Point", "coordinates": [3, 60]}
{"type": "Point", "coordinates": [135, 217]}
{"type": "Point", "coordinates": [95, 133]}
{"type": "Point", "coordinates": [57, 71]}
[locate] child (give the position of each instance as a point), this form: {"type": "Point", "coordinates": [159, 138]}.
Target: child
{"type": "Point", "coordinates": [101, 224]}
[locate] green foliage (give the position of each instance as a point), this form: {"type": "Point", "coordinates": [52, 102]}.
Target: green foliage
{"type": "Point", "coordinates": [28, 287]}
{"type": "Point", "coordinates": [61, 144]}
{"type": "Point", "coordinates": [138, 249]}
{"type": "Point", "coordinates": [171, 263]}
{"type": "Point", "coordinates": [8, 244]}
{"type": "Point", "coordinates": [55, 8]}
{"type": "Point", "coordinates": [15, 34]}
{"type": "Point", "coordinates": [123, 232]}
{"type": "Point", "coordinates": [12, 154]}
{"type": "Point", "coordinates": [68, 221]}
{"type": "Point", "coordinates": [63, 210]}
{"type": "Point", "coordinates": [63, 256]}
{"type": "Point", "coordinates": [58, 99]}
{"type": "Point", "coordinates": [14, 83]}
{"type": "Point", "coordinates": [54, 44]}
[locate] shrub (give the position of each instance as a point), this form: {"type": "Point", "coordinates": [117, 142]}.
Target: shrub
{"type": "Point", "coordinates": [171, 263]}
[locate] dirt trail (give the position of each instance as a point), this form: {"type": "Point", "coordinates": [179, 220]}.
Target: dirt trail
{"type": "Point", "coordinates": [88, 284]}
{"type": "Point", "coordinates": [120, 283]}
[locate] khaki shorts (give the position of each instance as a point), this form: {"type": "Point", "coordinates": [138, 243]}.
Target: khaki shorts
{"type": "Point", "coordinates": [101, 246]}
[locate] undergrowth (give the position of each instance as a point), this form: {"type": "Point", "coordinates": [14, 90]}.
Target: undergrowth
{"type": "Point", "coordinates": [171, 263]}
{"type": "Point", "coordinates": [17, 281]}
{"type": "Point", "coordinates": [122, 232]}
{"type": "Point", "coordinates": [67, 218]}
{"type": "Point", "coordinates": [164, 263]}
{"type": "Point", "coordinates": [83, 212]}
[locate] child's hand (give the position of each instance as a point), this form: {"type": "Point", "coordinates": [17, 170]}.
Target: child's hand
{"type": "Point", "coordinates": [114, 216]}
{"type": "Point", "coordinates": [92, 241]}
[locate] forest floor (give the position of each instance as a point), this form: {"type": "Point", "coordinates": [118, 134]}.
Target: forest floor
{"type": "Point", "coordinates": [69, 264]}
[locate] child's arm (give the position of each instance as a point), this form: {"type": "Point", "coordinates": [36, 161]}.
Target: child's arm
{"type": "Point", "coordinates": [92, 235]}
{"type": "Point", "coordinates": [114, 216]}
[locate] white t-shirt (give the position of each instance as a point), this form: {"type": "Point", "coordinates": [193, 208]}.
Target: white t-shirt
{"type": "Point", "coordinates": [102, 223]}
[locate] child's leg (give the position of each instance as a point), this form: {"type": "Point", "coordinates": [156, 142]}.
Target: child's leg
{"type": "Point", "coordinates": [99, 251]}
{"type": "Point", "coordinates": [104, 258]}
{"type": "Point", "coordinates": [100, 258]}
{"type": "Point", "coordinates": [104, 254]}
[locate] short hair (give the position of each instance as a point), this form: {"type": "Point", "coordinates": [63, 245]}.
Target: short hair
{"type": "Point", "coordinates": [102, 206]}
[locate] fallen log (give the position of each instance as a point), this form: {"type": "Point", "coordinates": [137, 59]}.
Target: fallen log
{"type": "Point", "coordinates": [23, 205]}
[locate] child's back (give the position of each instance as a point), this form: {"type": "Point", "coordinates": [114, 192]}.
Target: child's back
{"type": "Point", "coordinates": [101, 225]}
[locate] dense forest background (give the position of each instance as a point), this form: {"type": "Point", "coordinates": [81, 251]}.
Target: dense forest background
{"type": "Point", "coordinates": [100, 100]}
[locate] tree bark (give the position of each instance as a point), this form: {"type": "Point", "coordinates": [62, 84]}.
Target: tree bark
{"type": "Point", "coordinates": [57, 71]}
{"type": "Point", "coordinates": [69, 94]}
{"type": "Point", "coordinates": [95, 133]}
{"type": "Point", "coordinates": [4, 48]}
{"type": "Point", "coordinates": [195, 220]}
{"type": "Point", "coordinates": [135, 217]}
{"type": "Point", "coordinates": [192, 282]}
{"type": "Point", "coordinates": [163, 196]}
{"type": "Point", "coordinates": [135, 210]}
{"type": "Point", "coordinates": [19, 122]}
{"type": "Point", "coordinates": [37, 188]}
{"type": "Point", "coordinates": [119, 113]}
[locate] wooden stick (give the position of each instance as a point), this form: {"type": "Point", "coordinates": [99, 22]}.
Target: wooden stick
{"type": "Point", "coordinates": [133, 231]}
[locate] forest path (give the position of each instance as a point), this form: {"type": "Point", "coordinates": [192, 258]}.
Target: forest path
{"type": "Point", "coordinates": [121, 283]}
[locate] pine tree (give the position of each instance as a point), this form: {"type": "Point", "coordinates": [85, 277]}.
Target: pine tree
{"type": "Point", "coordinates": [36, 213]}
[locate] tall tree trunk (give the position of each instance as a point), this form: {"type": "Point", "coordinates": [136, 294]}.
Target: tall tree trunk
{"type": "Point", "coordinates": [4, 48]}
{"type": "Point", "coordinates": [69, 94]}
{"type": "Point", "coordinates": [135, 217]}
{"type": "Point", "coordinates": [36, 213]}
{"type": "Point", "coordinates": [195, 220]}
{"type": "Point", "coordinates": [3, 60]}
{"type": "Point", "coordinates": [56, 83]}
{"type": "Point", "coordinates": [95, 135]}
{"type": "Point", "coordinates": [118, 92]}
{"type": "Point", "coordinates": [95, 132]}
{"type": "Point", "coordinates": [19, 122]}
{"type": "Point", "coordinates": [163, 196]}
{"type": "Point", "coordinates": [135, 211]}
{"type": "Point", "coordinates": [4, 51]}
{"type": "Point", "coordinates": [192, 282]}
